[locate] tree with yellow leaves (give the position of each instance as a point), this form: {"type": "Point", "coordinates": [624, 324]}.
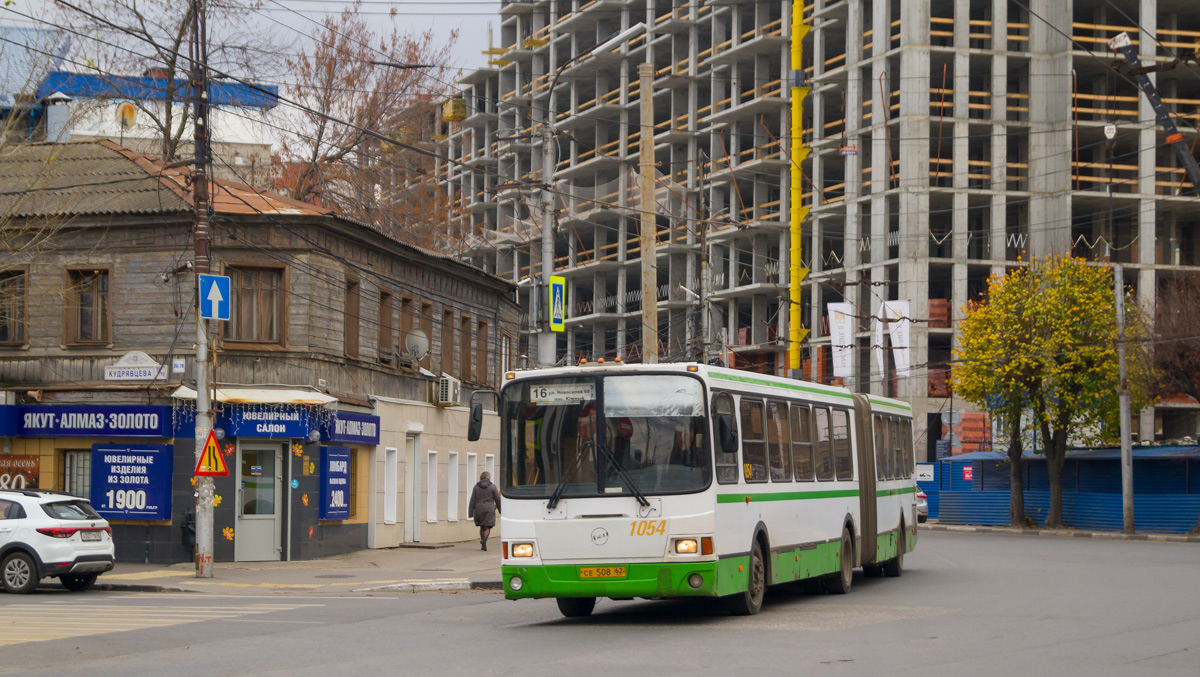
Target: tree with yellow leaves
{"type": "Point", "coordinates": [1045, 344]}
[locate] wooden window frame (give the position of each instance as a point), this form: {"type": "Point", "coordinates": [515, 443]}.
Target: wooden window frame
{"type": "Point", "coordinates": [22, 305]}
{"type": "Point", "coordinates": [352, 318]}
{"type": "Point", "coordinates": [465, 354]}
{"type": "Point", "coordinates": [230, 269]}
{"type": "Point", "coordinates": [71, 307]}
{"type": "Point", "coordinates": [385, 351]}
{"type": "Point", "coordinates": [482, 374]}
{"type": "Point", "coordinates": [426, 325]}
{"type": "Point", "coordinates": [446, 364]}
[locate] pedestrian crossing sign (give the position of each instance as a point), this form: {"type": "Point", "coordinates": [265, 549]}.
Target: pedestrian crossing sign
{"type": "Point", "coordinates": [558, 303]}
{"type": "Point", "coordinates": [211, 463]}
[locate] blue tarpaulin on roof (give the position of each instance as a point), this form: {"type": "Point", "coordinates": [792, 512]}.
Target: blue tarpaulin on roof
{"type": "Point", "coordinates": [147, 88]}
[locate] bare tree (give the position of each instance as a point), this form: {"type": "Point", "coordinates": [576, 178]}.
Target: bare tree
{"type": "Point", "coordinates": [132, 38]}
{"type": "Point", "coordinates": [1175, 351]}
{"type": "Point", "coordinates": [358, 85]}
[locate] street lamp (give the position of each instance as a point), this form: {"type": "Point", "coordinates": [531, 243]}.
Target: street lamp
{"type": "Point", "coordinates": [547, 350]}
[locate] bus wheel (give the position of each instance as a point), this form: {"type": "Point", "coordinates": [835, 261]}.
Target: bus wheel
{"type": "Point", "coordinates": [750, 602]}
{"type": "Point", "coordinates": [895, 566]}
{"type": "Point", "coordinates": [839, 583]}
{"type": "Point", "coordinates": [574, 607]}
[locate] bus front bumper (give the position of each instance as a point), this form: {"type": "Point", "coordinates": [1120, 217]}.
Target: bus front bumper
{"type": "Point", "coordinates": [652, 579]}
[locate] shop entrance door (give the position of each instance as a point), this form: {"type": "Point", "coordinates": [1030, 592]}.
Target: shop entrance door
{"type": "Point", "coordinates": [258, 532]}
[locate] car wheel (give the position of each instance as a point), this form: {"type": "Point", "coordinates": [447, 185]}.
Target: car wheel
{"type": "Point", "coordinates": [921, 519]}
{"type": "Point", "coordinates": [839, 583]}
{"type": "Point", "coordinates": [895, 566]}
{"type": "Point", "coordinates": [77, 582]}
{"type": "Point", "coordinates": [750, 602]}
{"type": "Point", "coordinates": [19, 573]}
{"type": "Point", "coordinates": [574, 607]}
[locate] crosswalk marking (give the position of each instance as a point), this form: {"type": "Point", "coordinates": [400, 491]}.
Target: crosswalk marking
{"type": "Point", "coordinates": [39, 622]}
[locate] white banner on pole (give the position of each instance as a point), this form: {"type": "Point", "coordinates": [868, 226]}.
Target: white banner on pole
{"type": "Point", "coordinates": [899, 328]}
{"type": "Point", "coordinates": [841, 335]}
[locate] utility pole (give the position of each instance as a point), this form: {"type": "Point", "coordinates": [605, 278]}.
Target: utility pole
{"type": "Point", "coordinates": [547, 342]}
{"type": "Point", "coordinates": [203, 246]}
{"type": "Point", "coordinates": [705, 273]}
{"type": "Point", "coordinates": [649, 235]}
{"type": "Point", "coordinates": [1126, 448]}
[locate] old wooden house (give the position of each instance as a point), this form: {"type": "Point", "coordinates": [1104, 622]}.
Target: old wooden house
{"type": "Point", "coordinates": [342, 342]}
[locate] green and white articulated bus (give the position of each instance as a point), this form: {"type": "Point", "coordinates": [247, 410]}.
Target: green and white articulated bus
{"type": "Point", "coordinates": [687, 480]}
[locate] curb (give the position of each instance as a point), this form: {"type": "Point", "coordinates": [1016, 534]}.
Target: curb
{"type": "Point", "coordinates": [448, 585]}
{"type": "Point", "coordinates": [123, 587]}
{"type": "Point", "coordinates": [1063, 533]}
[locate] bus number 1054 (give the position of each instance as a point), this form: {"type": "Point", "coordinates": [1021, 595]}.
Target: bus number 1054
{"type": "Point", "coordinates": [647, 527]}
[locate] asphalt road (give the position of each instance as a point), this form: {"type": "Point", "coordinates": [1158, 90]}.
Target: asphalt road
{"type": "Point", "coordinates": [978, 604]}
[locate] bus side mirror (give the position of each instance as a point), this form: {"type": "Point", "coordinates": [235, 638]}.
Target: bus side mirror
{"type": "Point", "coordinates": [475, 424]}
{"type": "Point", "coordinates": [726, 434]}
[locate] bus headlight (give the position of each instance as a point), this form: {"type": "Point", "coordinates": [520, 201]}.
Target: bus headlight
{"type": "Point", "coordinates": [516, 583]}
{"type": "Point", "coordinates": [686, 546]}
{"type": "Point", "coordinates": [522, 550]}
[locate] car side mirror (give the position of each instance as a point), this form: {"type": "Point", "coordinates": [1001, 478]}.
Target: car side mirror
{"type": "Point", "coordinates": [726, 434]}
{"type": "Point", "coordinates": [475, 424]}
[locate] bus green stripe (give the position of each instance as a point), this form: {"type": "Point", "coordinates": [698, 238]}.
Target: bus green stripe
{"type": "Point", "coordinates": [787, 496]}
{"type": "Point", "coordinates": [897, 492]}
{"type": "Point", "coordinates": [773, 384]}
{"type": "Point", "coordinates": [880, 403]}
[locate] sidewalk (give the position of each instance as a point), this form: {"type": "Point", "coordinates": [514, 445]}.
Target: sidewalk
{"type": "Point", "coordinates": [1061, 533]}
{"type": "Point", "coordinates": [461, 566]}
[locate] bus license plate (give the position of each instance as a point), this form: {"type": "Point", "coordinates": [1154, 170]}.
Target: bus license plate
{"type": "Point", "coordinates": [602, 572]}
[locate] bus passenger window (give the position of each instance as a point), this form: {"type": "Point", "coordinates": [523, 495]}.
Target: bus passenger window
{"type": "Point", "coordinates": [754, 445]}
{"type": "Point", "coordinates": [779, 441]}
{"type": "Point", "coordinates": [802, 447]}
{"type": "Point", "coordinates": [727, 464]}
{"type": "Point", "coordinates": [897, 449]}
{"type": "Point", "coordinates": [841, 445]}
{"type": "Point", "coordinates": [906, 440]}
{"type": "Point", "coordinates": [880, 448]}
{"type": "Point", "coordinates": [824, 455]}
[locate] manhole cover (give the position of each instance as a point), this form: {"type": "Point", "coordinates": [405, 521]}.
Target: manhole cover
{"type": "Point", "coordinates": [335, 576]}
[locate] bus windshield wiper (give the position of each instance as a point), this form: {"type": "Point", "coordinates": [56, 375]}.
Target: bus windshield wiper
{"type": "Point", "coordinates": [641, 498]}
{"type": "Point", "coordinates": [556, 495]}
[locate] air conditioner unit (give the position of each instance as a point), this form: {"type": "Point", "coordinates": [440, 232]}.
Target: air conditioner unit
{"type": "Point", "coordinates": [447, 391]}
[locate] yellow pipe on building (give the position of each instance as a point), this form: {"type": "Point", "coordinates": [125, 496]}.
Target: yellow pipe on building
{"type": "Point", "coordinates": [796, 331]}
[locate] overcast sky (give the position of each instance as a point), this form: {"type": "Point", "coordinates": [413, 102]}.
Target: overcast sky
{"type": "Point", "coordinates": [469, 17]}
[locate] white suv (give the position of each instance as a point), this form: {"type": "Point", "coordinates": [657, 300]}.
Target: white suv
{"type": "Point", "coordinates": [47, 533]}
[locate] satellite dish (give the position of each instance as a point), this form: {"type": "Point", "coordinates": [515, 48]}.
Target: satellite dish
{"type": "Point", "coordinates": [416, 345]}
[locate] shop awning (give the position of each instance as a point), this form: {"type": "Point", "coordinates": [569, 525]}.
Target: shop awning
{"type": "Point", "coordinates": [260, 396]}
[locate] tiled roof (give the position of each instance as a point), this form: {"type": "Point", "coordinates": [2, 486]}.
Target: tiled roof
{"type": "Point", "coordinates": [101, 177]}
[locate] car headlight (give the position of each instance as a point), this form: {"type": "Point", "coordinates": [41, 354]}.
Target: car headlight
{"type": "Point", "coordinates": [522, 550]}
{"type": "Point", "coordinates": [686, 546]}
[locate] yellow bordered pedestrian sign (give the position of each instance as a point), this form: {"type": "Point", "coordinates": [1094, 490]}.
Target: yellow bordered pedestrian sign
{"type": "Point", "coordinates": [558, 303]}
{"type": "Point", "coordinates": [211, 463]}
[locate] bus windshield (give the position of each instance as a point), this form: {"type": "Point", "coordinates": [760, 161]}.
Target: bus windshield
{"type": "Point", "coordinates": [594, 436]}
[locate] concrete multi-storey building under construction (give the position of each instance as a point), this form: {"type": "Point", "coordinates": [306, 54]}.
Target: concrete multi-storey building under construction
{"type": "Point", "coordinates": [948, 141]}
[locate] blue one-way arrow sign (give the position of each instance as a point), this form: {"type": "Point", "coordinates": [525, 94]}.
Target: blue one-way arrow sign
{"type": "Point", "coordinates": [214, 297]}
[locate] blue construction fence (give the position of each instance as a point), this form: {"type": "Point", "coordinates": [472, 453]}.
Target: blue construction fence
{"type": "Point", "coordinates": [976, 489]}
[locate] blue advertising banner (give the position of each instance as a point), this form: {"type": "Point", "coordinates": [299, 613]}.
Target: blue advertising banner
{"type": "Point", "coordinates": [264, 422]}
{"type": "Point", "coordinates": [89, 421]}
{"type": "Point", "coordinates": [352, 428]}
{"type": "Point", "coordinates": [132, 481]}
{"type": "Point", "coordinates": [335, 483]}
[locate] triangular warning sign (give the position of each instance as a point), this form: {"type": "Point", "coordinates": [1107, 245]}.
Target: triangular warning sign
{"type": "Point", "coordinates": [211, 463]}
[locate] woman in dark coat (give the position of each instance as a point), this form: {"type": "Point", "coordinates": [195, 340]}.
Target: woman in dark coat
{"type": "Point", "coordinates": [485, 501]}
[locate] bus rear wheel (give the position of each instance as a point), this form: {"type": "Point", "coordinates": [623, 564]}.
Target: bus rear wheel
{"type": "Point", "coordinates": [839, 583]}
{"type": "Point", "coordinates": [750, 602]}
{"type": "Point", "coordinates": [895, 566]}
{"type": "Point", "coordinates": [575, 607]}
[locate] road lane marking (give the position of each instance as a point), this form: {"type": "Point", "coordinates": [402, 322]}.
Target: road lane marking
{"type": "Point", "coordinates": [42, 622]}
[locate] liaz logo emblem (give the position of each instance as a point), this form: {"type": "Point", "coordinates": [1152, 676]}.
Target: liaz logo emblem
{"type": "Point", "coordinates": [599, 535]}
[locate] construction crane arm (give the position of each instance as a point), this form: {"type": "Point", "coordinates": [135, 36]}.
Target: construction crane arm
{"type": "Point", "coordinates": [1123, 45]}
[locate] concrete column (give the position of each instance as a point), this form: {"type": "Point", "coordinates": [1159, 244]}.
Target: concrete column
{"type": "Point", "coordinates": [914, 184]}
{"type": "Point", "coordinates": [1051, 125]}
